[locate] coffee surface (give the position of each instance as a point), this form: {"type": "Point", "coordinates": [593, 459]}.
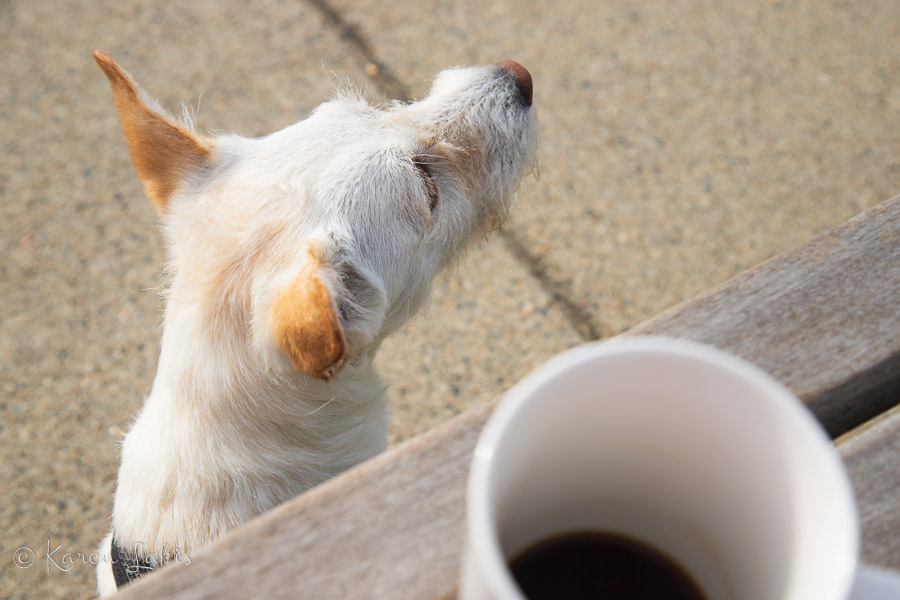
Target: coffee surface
{"type": "Point", "coordinates": [600, 566]}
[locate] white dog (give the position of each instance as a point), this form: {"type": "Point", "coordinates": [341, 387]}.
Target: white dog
{"type": "Point", "coordinates": [292, 257]}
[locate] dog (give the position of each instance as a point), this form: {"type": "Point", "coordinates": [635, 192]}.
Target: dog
{"type": "Point", "coordinates": [291, 258]}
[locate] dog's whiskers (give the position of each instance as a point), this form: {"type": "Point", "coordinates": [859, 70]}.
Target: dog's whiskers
{"type": "Point", "coordinates": [324, 404]}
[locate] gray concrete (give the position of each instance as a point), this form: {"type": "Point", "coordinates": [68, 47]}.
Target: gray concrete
{"type": "Point", "coordinates": [681, 143]}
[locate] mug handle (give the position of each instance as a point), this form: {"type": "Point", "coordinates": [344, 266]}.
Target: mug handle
{"type": "Point", "coordinates": [876, 583]}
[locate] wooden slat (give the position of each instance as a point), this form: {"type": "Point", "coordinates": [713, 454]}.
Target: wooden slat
{"type": "Point", "coordinates": [823, 319]}
{"type": "Point", "coordinates": [872, 456]}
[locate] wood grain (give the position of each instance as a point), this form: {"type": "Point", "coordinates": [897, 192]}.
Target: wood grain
{"type": "Point", "coordinates": [872, 456]}
{"type": "Point", "coordinates": [823, 319]}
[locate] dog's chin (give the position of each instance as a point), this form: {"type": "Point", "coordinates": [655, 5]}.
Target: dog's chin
{"type": "Point", "coordinates": [493, 222]}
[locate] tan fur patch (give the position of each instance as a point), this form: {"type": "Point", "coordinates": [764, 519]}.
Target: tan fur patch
{"type": "Point", "coordinates": [305, 325]}
{"type": "Point", "coordinates": [162, 152]}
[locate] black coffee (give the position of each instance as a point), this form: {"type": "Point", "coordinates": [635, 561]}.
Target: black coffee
{"type": "Point", "coordinates": [600, 566]}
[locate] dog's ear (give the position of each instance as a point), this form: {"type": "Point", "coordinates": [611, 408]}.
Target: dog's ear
{"type": "Point", "coordinates": [304, 322]}
{"type": "Point", "coordinates": [162, 151]}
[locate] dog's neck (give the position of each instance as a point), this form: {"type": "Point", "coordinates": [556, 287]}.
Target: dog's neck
{"type": "Point", "coordinates": [222, 437]}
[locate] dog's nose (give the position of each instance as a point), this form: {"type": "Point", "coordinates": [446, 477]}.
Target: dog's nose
{"type": "Point", "coordinates": [523, 79]}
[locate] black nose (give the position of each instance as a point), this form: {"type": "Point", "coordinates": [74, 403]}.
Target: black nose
{"type": "Point", "coordinates": [523, 79]}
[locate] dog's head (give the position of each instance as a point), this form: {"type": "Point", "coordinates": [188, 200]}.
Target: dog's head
{"type": "Point", "coordinates": [318, 240]}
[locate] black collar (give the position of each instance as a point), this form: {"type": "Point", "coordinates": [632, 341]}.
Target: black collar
{"type": "Point", "coordinates": [126, 566]}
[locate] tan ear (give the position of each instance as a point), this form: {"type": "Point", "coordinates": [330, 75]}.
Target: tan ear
{"type": "Point", "coordinates": [162, 151]}
{"type": "Point", "coordinates": [305, 324]}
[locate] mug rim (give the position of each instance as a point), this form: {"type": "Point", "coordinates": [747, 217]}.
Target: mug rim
{"type": "Point", "coordinates": [482, 523]}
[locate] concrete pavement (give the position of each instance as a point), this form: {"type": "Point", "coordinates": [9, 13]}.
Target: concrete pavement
{"type": "Point", "coordinates": [681, 142]}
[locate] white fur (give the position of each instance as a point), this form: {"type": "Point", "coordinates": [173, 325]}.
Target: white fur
{"type": "Point", "coordinates": [230, 429]}
{"type": "Point", "coordinates": [106, 583]}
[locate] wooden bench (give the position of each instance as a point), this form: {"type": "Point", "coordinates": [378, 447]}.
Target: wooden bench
{"type": "Point", "coordinates": [824, 319]}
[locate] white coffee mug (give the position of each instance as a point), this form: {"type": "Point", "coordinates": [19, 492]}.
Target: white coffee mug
{"type": "Point", "coordinates": [689, 450]}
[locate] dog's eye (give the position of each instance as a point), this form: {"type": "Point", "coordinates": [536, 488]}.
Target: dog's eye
{"type": "Point", "coordinates": [430, 187]}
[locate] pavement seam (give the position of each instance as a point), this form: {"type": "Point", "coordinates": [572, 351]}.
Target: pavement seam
{"type": "Point", "coordinates": [577, 316]}
{"type": "Point", "coordinates": [392, 86]}
{"type": "Point", "coordinates": [384, 76]}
